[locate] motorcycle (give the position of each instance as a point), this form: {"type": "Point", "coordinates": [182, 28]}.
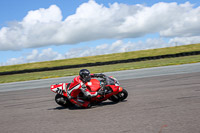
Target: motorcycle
{"type": "Point", "coordinates": [109, 86]}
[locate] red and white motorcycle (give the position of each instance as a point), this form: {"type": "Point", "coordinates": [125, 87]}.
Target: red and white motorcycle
{"type": "Point", "coordinates": [110, 86]}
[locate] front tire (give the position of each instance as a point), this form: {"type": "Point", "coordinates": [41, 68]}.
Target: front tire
{"type": "Point", "coordinates": [119, 97]}
{"type": "Point", "coordinates": [123, 95]}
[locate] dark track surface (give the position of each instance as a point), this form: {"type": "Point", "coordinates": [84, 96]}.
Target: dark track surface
{"type": "Point", "coordinates": [170, 100]}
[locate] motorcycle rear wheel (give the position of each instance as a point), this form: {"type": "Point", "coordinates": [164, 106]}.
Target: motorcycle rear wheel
{"type": "Point", "coordinates": [62, 101]}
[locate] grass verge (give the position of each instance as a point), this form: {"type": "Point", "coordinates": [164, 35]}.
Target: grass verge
{"type": "Point", "coordinates": [100, 69]}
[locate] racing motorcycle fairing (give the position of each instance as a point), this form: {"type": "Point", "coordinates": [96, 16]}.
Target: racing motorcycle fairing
{"type": "Point", "coordinates": [60, 88]}
{"type": "Point", "coordinates": [93, 85]}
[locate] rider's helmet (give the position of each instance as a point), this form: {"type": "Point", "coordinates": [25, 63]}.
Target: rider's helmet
{"type": "Point", "coordinates": [85, 75]}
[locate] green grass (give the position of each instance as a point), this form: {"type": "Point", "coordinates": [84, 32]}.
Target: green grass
{"type": "Point", "coordinates": [103, 58]}
{"type": "Point", "coordinates": [100, 69]}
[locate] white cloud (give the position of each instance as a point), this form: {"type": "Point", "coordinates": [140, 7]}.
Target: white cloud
{"type": "Point", "coordinates": [185, 23]}
{"type": "Point", "coordinates": [49, 54]}
{"type": "Point", "coordinates": [37, 29]}
{"type": "Point", "coordinates": [93, 21]}
{"type": "Point", "coordinates": [13, 61]}
{"type": "Point", "coordinates": [32, 56]}
{"type": "Point", "coordinates": [35, 56]}
{"type": "Point", "coordinates": [45, 55]}
{"type": "Point", "coordinates": [185, 40]}
{"type": "Point", "coordinates": [116, 47]}
{"type": "Point", "coordinates": [52, 14]}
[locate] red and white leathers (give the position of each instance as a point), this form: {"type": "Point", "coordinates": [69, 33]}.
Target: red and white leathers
{"type": "Point", "coordinates": [75, 88]}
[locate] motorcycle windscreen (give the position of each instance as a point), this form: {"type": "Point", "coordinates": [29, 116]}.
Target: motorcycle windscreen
{"type": "Point", "coordinates": [110, 81]}
{"type": "Point", "coordinates": [93, 85]}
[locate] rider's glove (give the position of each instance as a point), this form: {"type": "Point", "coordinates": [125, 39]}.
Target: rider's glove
{"type": "Point", "coordinates": [84, 86]}
{"type": "Point", "coordinates": [101, 75]}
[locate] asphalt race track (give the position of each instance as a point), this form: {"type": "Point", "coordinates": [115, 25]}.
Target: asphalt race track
{"type": "Point", "coordinates": [162, 103]}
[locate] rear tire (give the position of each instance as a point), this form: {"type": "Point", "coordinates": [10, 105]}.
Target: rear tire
{"type": "Point", "coordinates": [62, 101]}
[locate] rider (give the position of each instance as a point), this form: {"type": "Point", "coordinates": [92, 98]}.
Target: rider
{"type": "Point", "coordinates": [79, 85]}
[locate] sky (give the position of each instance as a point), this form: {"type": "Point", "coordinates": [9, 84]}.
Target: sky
{"type": "Point", "coordinates": [44, 30]}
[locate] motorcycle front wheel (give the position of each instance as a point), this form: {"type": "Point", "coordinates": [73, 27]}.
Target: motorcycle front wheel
{"type": "Point", "coordinates": [123, 95]}
{"type": "Point", "coordinates": [119, 97]}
